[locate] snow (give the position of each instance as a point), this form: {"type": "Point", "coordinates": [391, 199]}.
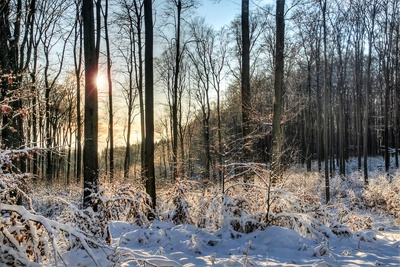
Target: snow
{"type": "Point", "coordinates": [165, 244]}
{"type": "Point", "coordinates": [360, 228]}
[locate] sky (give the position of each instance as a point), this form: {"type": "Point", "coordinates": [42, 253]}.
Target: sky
{"type": "Point", "coordinates": [219, 14]}
{"type": "Point", "coordinates": [222, 12]}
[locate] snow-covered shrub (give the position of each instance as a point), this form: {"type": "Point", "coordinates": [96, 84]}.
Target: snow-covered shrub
{"type": "Point", "coordinates": [52, 201]}
{"type": "Point", "coordinates": [13, 186]}
{"type": "Point", "coordinates": [349, 187]}
{"type": "Point", "coordinates": [383, 194]}
{"type": "Point", "coordinates": [301, 208]}
{"type": "Point", "coordinates": [123, 203]}
{"type": "Point", "coordinates": [180, 205]}
{"type": "Point", "coordinates": [13, 189]}
{"type": "Point", "coordinates": [348, 213]}
{"type": "Point", "coordinates": [237, 212]}
{"type": "Point", "coordinates": [28, 239]}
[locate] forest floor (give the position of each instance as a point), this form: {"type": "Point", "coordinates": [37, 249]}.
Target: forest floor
{"type": "Point", "coordinates": [360, 227]}
{"type": "Point", "coordinates": [164, 244]}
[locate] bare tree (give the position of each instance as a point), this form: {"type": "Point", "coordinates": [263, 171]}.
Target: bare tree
{"type": "Point", "coordinates": [217, 58]}
{"type": "Point", "coordinates": [245, 77]}
{"type": "Point", "coordinates": [16, 30]}
{"type": "Point", "coordinates": [178, 8]}
{"type": "Point", "coordinates": [130, 21]}
{"type": "Point", "coordinates": [278, 87]}
{"type": "Point", "coordinates": [326, 120]}
{"type": "Point", "coordinates": [90, 156]}
{"type": "Point", "coordinates": [149, 90]}
{"type": "Point", "coordinates": [201, 58]}
{"type": "Point", "coordinates": [110, 91]}
{"type": "Point", "coordinates": [49, 27]}
{"type": "Point", "coordinates": [78, 76]}
{"type": "Point", "coordinates": [371, 26]}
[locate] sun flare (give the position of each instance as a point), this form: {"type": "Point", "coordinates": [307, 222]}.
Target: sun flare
{"type": "Point", "coordinates": [101, 82]}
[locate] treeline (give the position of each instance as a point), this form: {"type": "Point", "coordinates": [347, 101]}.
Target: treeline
{"type": "Point", "coordinates": [340, 93]}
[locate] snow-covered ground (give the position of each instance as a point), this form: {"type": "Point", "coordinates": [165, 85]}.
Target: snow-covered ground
{"type": "Point", "coordinates": [166, 244]}
{"type": "Point", "coordinates": [274, 246]}
{"type": "Point", "coordinates": [360, 227]}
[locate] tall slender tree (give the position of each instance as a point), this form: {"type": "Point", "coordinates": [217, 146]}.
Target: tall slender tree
{"type": "Point", "coordinates": [78, 76]}
{"type": "Point", "coordinates": [372, 14]}
{"type": "Point", "coordinates": [326, 119]}
{"type": "Point", "coordinates": [110, 92]}
{"type": "Point", "coordinates": [90, 150]}
{"type": "Point", "coordinates": [245, 77]}
{"type": "Point", "coordinates": [202, 73]}
{"type": "Point", "coordinates": [130, 21]}
{"type": "Point", "coordinates": [278, 88]}
{"type": "Point", "coordinates": [178, 60]}
{"type": "Point", "coordinates": [149, 103]}
{"type": "Point", "coordinates": [179, 7]}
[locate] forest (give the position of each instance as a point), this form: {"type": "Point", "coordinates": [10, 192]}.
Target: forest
{"type": "Point", "coordinates": [137, 133]}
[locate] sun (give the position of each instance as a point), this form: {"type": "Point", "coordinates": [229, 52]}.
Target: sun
{"type": "Point", "coordinates": [101, 82]}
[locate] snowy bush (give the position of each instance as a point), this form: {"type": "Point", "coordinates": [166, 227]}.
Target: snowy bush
{"type": "Point", "coordinates": [33, 240]}
{"type": "Point", "coordinates": [179, 205]}
{"type": "Point", "coordinates": [13, 186]}
{"type": "Point", "coordinates": [13, 189]}
{"type": "Point", "coordinates": [116, 203]}
{"type": "Point", "coordinates": [125, 203]}
{"type": "Point", "coordinates": [53, 224]}
{"type": "Point", "coordinates": [228, 213]}
{"type": "Point", "coordinates": [236, 214]}
{"type": "Point", "coordinates": [383, 194]}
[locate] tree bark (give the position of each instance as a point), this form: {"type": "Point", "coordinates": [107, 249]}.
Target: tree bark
{"type": "Point", "coordinates": [110, 95]}
{"type": "Point", "coordinates": [175, 92]}
{"type": "Point", "coordinates": [326, 141]}
{"type": "Point", "coordinates": [245, 71]}
{"type": "Point", "coordinates": [149, 103]}
{"type": "Point", "coordinates": [278, 89]}
{"type": "Point", "coordinates": [367, 92]}
{"type": "Point", "coordinates": [78, 76]}
{"type": "Point", "coordinates": [90, 150]}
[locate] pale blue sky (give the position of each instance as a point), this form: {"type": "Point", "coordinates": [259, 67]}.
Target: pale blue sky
{"type": "Point", "coordinates": [219, 14]}
{"type": "Point", "coordinates": [222, 13]}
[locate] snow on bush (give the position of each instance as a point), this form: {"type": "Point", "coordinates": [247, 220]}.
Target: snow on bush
{"type": "Point", "coordinates": [177, 204]}
{"type": "Point", "coordinates": [46, 229]}
{"type": "Point", "coordinates": [229, 213]}
{"type": "Point", "coordinates": [30, 239]}
{"type": "Point", "coordinates": [126, 202]}
{"type": "Point", "coordinates": [13, 186]}
{"type": "Point", "coordinates": [115, 202]}
{"type": "Point", "coordinates": [246, 207]}
{"type": "Point", "coordinates": [383, 194]}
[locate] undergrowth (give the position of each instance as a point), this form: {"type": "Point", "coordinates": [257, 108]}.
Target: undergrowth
{"type": "Point", "coordinates": [45, 228]}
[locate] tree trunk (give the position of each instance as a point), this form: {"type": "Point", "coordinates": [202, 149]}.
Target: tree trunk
{"type": "Point", "coordinates": [90, 156]}
{"type": "Point", "coordinates": [326, 141]}
{"type": "Point", "coordinates": [278, 88]}
{"type": "Point", "coordinates": [110, 95]}
{"type": "Point", "coordinates": [367, 92]}
{"type": "Point", "coordinates": [78, 75]}
{"type": "Point", "coordinates": [397, 98]}
{"type": "Point", "coordinates": [149, 103]}
{"type": "Point", "coordinates": [139, 80]}
{"type": "Point", "coordinates": [245, 72]}
{"type": "Point", "coordinates": [175, 93]}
